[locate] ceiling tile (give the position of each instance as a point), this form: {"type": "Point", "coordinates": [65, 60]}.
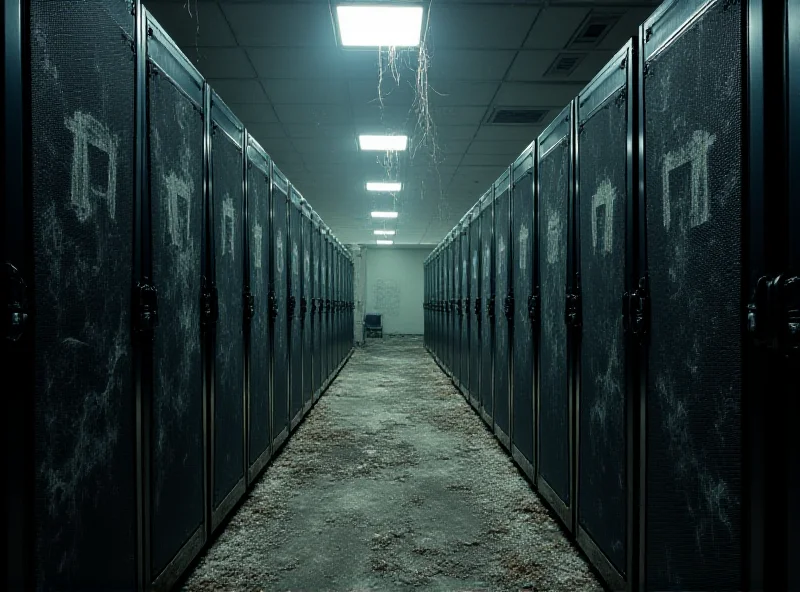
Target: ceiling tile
{"type": "Point", "coordinates": [374, 119]}
{"type": "Point", "coordinates": [364, 91]}
{"type": "Point", "coordinates": [536, 94]}
{"type": "Point", "coordinates": [299, 62]}
{"type": "Point", "coordinates": [495, 27]}
{"type": "Point", "coordinates": [455, 132]}
{"type": "Point", "coordinates": [457, 93]}
{"type": "Point", "coordinates": [508, 133]}
{"type": "Point", "coordinates": [313, 114]}
{"type": "Point", "coordinates": [222, 62]}
{"type": "Point", "coordinates": [531, 65]}
{"type": "Point", "coordinates": [285, 24]}
{"type": "Point", "coordinates": [192, 24]}
{"type": "Point", "coordinates": [555, 27]}
{"type": "Point", "coordinates": [254, 113]}
{"type": "Point", "coordinates": [626, 28]}
{"type": "Point", "coordinates": [308, 130]}
{"type": "Point", "coordinates": [306, 91]}
{"type": "Point", "coordinates": [501, 160]}
{"type": "Point", "coordinates": [458, 115]}
{"type": "Point", "coordinates": [261, 131]}
{"type": "Point", "coordinates": [239, 90]}
{"type": "Point", "coordinates": [512, 147]}
{"type": "Point", "coordinates": [324, 146]}
{"type": "Point", "coordinates": [465, 64]}
{"type": "Point", "coordinates": [454, 146]}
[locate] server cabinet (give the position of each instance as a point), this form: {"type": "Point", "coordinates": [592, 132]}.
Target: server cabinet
{"type": "Point", "coordinates": [279, 307]}
{"type": "Point", "coordinates": [503, 309]}
{"type": "Point", "coordinates": [226, 251]}
{"type": "Point", "coordinates": [558, 306]}
{"type": "Point", "coordinates": [335, 306]}
{"type": "Point", "coordinates": [447, 293]}
{"type": "Point", "coordinates": [316, 307]}
{"type": "Point", "coordinates": [604, 200]}
{"type": "Point", "coordinates": [441, 312]}
{"type": "Point", "coordinates": [295, 284]}
{"type": "Point", "coordinates": [305, 312]}
{"type": "Point", "coordinates": [526, 307]}
{"type": "Point", "coordinates": [487, 311]}
{"type": "Point", "coordinates": [259, 387]}
{"type": "Point", "coordinates": [475, 292]}
{"type": "Point", "coordinates": [457, 310]}
{"type": "Point", "coordinates": [465, 311]}
{"type": "Point", "coordinates": [172, 381]}
{"type": "Point", "coordinates": [325, 305]}
{"type": "Point", "coordinates": [69, 200]}
{"type": "Point", "coordinates": [330, 362]}
{"type": "Point", "coordinates": [705, 153]}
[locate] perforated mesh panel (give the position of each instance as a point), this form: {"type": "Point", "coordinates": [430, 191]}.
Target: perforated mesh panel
{"type": "Point", "coordinates": [467, 317]}
{"type": "Point", "coordinates": [295, 329]}
{"type": "Point", "coordinates": [82, 96]}
{"type": "Point", "coordinates": [325, 294]}
{"type": "Point", "coordinates": [176, 193]}
{"type": "Point", "coordinates": [259, 245]}
{"type": "Point", "coordinates": [487, 326]}
{"type": "Point", "coordinates": [308, 388]}
{"type": "Point", "coordinates": [475, 325]}
{"type": "Point", "coordinates": [229, 377]}
{"type": "Point", "coordinates": [502, 401]}
{"type": "Point", "coordinates": [603, 196]}
{"type": "Point", "coordinates": [280, 328]}
{"type": "Point", "coordinates": [522, 237]}
{"type": "Point", "coordinates": [693, 110]}
{"type": "Point", "coordinates": [316, 319]}
{"type": "Point", "coordinates": [554, 462]}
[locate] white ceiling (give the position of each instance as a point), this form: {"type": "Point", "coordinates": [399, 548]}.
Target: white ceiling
{"type": "Point", "coordinates": [277, 64]}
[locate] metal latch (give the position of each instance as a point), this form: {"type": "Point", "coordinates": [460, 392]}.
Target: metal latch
{"type": "Point", "coordinates": [313, 306]}
{"type": "Point", "coordinates": [209, 303]}
{"type": "Point", "coordinates": [508, 307]}
{"type": "Point", "coordinates": [249, 305]}
{"type": "Point", "coordinates": [773, 315]}
{"type": "Point", "coordinates": [291, 305]}
{"type": "Point", "coordinates": [533, 308]}
{"type": "Point", "coordinates": [572, 311]}
{"type": "Point", "coordinates": [272, 303]}
{"type": "Point", "coordinates": [490, 307]}
{"type": "Point", "coordinates": [478, 307]}
{"type": "Point", "coordinates": [303, 308]}
{"type": "Point", "coordinates": [16, 297]}
{"type": "Point", "coordinates": [636, 310]}
{"type": "Point", "coordinates": [147, 305]}
{"type": "Point", "coordinates": [327, 306]}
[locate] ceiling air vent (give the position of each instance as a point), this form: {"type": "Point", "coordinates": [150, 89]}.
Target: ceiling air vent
{"type": "Point", "coordinates": [564, 65]}
{"type": "Point", "coordinates": [518, 116]}
{"type": "Point", "coordinates": [593, 30]}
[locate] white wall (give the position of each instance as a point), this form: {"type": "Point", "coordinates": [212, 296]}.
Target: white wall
{"type": "Point", "coordinates": [394, 286]}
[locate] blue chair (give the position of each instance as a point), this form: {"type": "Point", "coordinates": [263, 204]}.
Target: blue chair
{"type": "Point", "coordinates": [373, 326]}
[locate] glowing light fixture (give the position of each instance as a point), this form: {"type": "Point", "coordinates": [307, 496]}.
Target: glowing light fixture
{"type": "Point", "coordinates": [379, 26]}
{"type": "Point", "coordinates": [383, 143]}
{"type": "Point", "coordinates": [384, 187]}
{"type": "Point", "coordinates": [384, 214]}
{"type": "Point", "coordinates": [385, 232]}
{"type": "Point", "coordinates": [384, 242]}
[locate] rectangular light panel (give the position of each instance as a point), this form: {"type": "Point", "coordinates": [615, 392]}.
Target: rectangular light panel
{"type": "Point", "coordinates": [379, 26]}
{"type": "Point", "coordinates": [384, 214]}
{"type": "Point", "coordinates": [384, 242]}
{"type": "Point", "coordinates": [385, 232]}
{"type": "Point", "coordinates": [383, 143]}
{"type": "Point", "coordinates": [384, 187]}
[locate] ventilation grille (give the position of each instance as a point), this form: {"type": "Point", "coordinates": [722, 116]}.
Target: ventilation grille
{"type": "Point", "coordinates": [593, 30]}
{"type": "Point", "coordinates": [518, 116]}
{"type": "Point", "coordinates": [564, 65]}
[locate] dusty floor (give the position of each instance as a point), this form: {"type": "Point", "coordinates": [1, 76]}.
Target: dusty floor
{"type": "Point", "coordinates": [392, 483]}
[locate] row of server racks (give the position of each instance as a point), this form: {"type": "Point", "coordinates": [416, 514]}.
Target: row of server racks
{"type": "Point", "coordinates": [172, 306]}
{"type": "Point", "coordinates": [622, 307]}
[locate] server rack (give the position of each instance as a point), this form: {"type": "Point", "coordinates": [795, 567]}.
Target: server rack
{"type": "Point", "coordinates": [476, 275]}
{"type": "Point", "coordinates": [503, 301]}
{"type": "Point", "coordinates": [294, 312]}
{"type": "Point", "coordinates": [464, 309]}
{"type": "Point", "coordinates": [487, 311]}
{"type": "Point", "coordinates": [279, 307]}
{"type": "Point", "coordinates": [305, 300]}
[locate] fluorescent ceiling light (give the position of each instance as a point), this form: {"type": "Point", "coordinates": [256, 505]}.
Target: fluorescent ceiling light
{"type": "Point", "coordinates": [385, 232]}
{"type": "Point", "coordinates": [384, 242]}
{"type": "Point", "coordinates": [384, 187]}
{"type": "Point", "coordinates": [383, 143]}
{"type": "Point", "coordinates": [384, 214]}
{"type": "Point", "coordinates": [379, 26]}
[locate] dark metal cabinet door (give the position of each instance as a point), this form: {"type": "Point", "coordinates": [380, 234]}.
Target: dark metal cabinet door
{"type": "Point", "coordinates": [466, 313]}
{"type": "Point", "coordinates": [316, 309]}
{"type": "Point", "coordinates": [295, 326]}
{"type": "Point", "coordinates": [487, 314]}
{"type": "Point", "coordinates": [280, 314]}
{"type": "Point", "coordinates": [502, 360]}
{"type": "Point", "coordinates": [305, 320]}
{"type": "Point", "coordinates": [82, 205]}
{"type": "Point", "coordinates": [476, 312]}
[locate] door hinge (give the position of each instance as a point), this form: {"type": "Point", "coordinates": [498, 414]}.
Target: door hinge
{"type": "Point", "coordinates": [209, 303]}
{"type": "Point", "coordinates": [508, 307]}
{"type": "Point", "coordinates": [773, 315]}
{"type": "Point", "coordinates": [636, 310]}
{"type": "Point", "coordinates": [248, 302]}
{"type": "Point", "coordinates": [533, 308]}
{"type": "Point", "coordinates": [15, 292]}
{"type": "Point", "coordinates": [147, 308]}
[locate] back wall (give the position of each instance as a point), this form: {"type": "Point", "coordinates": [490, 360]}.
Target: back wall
{"type": "Point", "coordinates": [394, 287]}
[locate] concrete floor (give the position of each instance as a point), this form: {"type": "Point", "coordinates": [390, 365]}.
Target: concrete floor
{"type": "Point", "coordinates": [392, 483]}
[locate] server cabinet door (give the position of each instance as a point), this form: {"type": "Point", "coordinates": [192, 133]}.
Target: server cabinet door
{"type": "Point", "coordinates": [477, 308]}
{"type": "Point", "coordinates": [487, 310]}
{"type": "Point", "coordinates": [693, 153]}
{"type": "Point", "coordinates": [503, 307]}
{"type": "Point", "coordinates": [260, 339]}
{"type": "Point", "coordinates": [82, 204]}
{"type": "Point", "coordinates": [176, 172]}
{"type": "Point", "coordinates": [466, 313]}
{"type": "Point", "coordinates": [324, 307]}
{"type": "Point", "coordinates": [294, 313]}
{"type": "Point", "coordinates": [455, 355]}
{"type": "Point", "coordinates": [447, 293]}
{"type": "Point", "coordinates": [605, 188]}
{"type": "Point", "coordinates": [523, 237]}
{"type": "Point", "coordinates": [305, 311]}
{"type": "Point", "coordinates": [555, 404]}
{"type": "Point", "coordinates": [280, 308]}
{"type": "Point", "coordinates": [316, 310]}
{"type": "Point", "coordinates": [227, 409]}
